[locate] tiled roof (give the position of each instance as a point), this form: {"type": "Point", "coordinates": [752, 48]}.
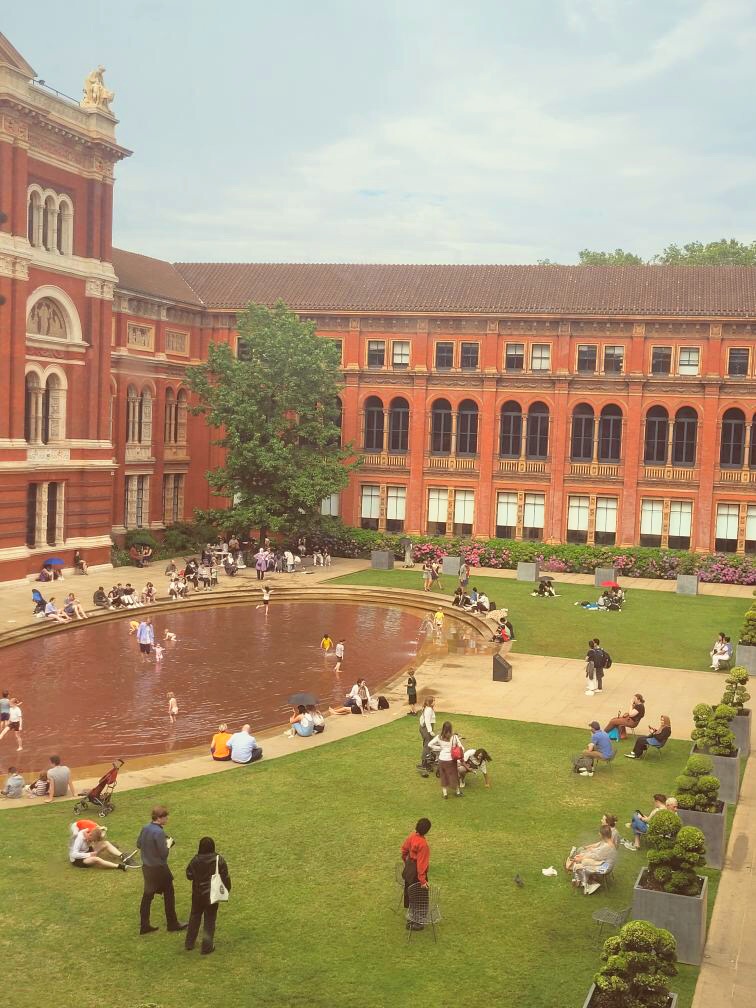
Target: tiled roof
{"type": "Point", "coordinates": [153, 277]}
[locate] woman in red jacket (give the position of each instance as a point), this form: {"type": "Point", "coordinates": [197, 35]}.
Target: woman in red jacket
{"type": "Point", "coordinates": [416, 857]}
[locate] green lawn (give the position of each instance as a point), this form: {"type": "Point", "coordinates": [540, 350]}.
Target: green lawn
{"type": "Point", "coordinates": [654, 628]}
{"type": "Point", "coordinates": [311, 841]}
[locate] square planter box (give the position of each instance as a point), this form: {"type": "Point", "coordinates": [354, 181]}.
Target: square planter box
{"type": "Point", "coordinates": [712, 825]}
{"type": "Point", "coordinates": [588, 1003]}
{"type": "Point", "coordinates": [741, 727]}
{"type": "Point", "coordinates": [382, 560]}
{"type": "Point", "coordinates": [687, 584]}
{"type": "Point", "coordinates": [745, 655]}
{"type": "Point", "coordinates": [684, 916]}
{"type": "Point", "coordinates": [528, 571]}
{"type": "Point", "coordinates": [602, 574]}
{"type": "Point", "coordinates": [450, 565]}
{"type": "Point", "coordinates": [727, 770]}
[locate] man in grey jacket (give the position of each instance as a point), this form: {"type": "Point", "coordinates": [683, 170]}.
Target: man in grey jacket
{"type": "Point", "coordinates": [155, 845]}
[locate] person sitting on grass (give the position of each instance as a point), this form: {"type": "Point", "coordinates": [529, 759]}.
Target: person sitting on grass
{"type": "Point", "coordinates": [472, 761]}
{"type": "Point", "coordinates": [657, 737]}
{"type": "Point", "coordinates": [599, 748]}
{"type": "Point", "coordinates": [638, 825]}
{"type": "Point", "coordinates": [544, 590]}
{"type": "Point", "coordinates": [88, 843]}
{"type": "Point", "coordinates": [301, 723]}
{"type": "Point", "coordinates": [586, 862]}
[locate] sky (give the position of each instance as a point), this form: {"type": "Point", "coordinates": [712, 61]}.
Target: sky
{"type": "Point", "coordinates": [483, 131]}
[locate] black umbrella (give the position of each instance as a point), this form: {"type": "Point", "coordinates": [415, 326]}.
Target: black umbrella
{"type": "Point", "coordinates": [305, 699]}
{"type": "Point", "coordinates": [545, 577]}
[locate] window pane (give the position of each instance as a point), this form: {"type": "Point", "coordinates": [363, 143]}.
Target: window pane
{"type": "Point", "coordinates": [374, 427]}
{"type": "Point", "coordinates": [533, 511]}
{"type": "Point", "coordinates": [614, 358]}
{"type": "Point", "coordinates": [510, 433]}
{"type": "Point", "coordinates": [651, 517]}
{"type": "Point", "coordinates": [750, 530]}
{"type": "Point", "coordinates": [587, 359]}
{"type": "Point", "coordinates": [396, 499]}
{"type": "Point", "coordinates": [688, 363]}
{"type": "Point", "coordinates": [514, 359]}
{"type": "Point", "coordinates": [577, 514]}
{"type": "Point", "coordinates": [444, 356]}
{"type": "Point", "coordinates": [441, 425]}
{"type": "Point", "coordinates": [737, 362]}
{"type": "Point", "coordinates": [680, 518]}
{"type": "Point", "coordinates": [469, 356]}
{"type": "Point", "coordinates": [606, 514]}
{"type": "Point", "coordinates": [376, 353]}
{"type": "Point", "coordinates": [540, 357]}
{"type": "Point", "coordinates": [467, 431]}
{"type": "Point", "coordinates": [438, 505]}
{"type": "Point", "coordinates": [398, 427]}
{"type": "Point", "coordinates": [330, 505]}
{"type": "Point", "coordinates": [371, 498]}
{"type": "Point", "coordinates": [463, 507]}
{"type": "Point", "coordinates": [581, 447]}
{"type": "Point", "coordinates": [506, 510]}
{"type": "Point", "coordinates": [661, 360]}
{"type": "Point", "coordinates": [400, 354]}
{"type": "Point", "coordinates": [727, 521]}
{"type": "Point", "coordinates": [655, 444]}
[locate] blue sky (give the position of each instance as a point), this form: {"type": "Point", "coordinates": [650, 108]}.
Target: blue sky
{"type": "Point", "coordinates": [415, 131]}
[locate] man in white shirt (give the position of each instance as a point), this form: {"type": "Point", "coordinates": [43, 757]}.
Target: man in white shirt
{"type": "Point", "coordinates": [244, 747]}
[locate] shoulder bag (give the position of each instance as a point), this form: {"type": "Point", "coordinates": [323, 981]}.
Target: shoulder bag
{"type": "Point", "coordinates": [218, 891]}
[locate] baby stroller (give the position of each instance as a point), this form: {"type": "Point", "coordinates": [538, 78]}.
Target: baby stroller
{"type": "Point", "coordinates": [39, 602]}
{"type": "Point", "coordinates": [100, 795]}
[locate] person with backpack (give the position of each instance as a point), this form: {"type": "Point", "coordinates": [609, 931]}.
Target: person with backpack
{"type": "Point", "coordinates": [601, 660]}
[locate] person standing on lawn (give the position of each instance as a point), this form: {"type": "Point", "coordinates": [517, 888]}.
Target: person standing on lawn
{"type": "Point", "coordinates": [416, 858]}
{"type": "Point", "coordinates": [200, 871]}
{"type": "Point", "coordinates": [158, 878]}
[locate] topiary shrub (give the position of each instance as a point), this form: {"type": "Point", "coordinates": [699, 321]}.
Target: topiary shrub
{"type": "Point", "coordinates": [637, 964]}
{"type": "Point", "coordinates": [697, 789]}
{"type": "Point", "coordinates": [748, 633]}
{"type": "Point", "coordinates": [675, 855]}
{"type": "Point", "coordinates": [712, 733]}
{"type": "Point", "coordinates": [735, 694]}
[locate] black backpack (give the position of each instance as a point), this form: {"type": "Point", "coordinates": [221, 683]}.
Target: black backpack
{"type": "Point", "coordinates": [383, 703]}
{"type": "Point", "coordinates": [607, 658]}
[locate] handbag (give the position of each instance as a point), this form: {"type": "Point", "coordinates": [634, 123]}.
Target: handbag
{"type": "Point", "coordinates": [218, 891]}
{"type": "Point", "coordinates": [457, 752]}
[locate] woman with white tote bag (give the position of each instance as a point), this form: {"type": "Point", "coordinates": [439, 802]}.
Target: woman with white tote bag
{"type": "Point", "coordinates": [211, 884]}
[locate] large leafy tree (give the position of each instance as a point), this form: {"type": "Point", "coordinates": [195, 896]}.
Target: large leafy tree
{"type": "Point", "coordinates": [276, 408]}
{"type": "Point", "coordinates": [617, 258]}
{"type": "Point", "coordinates": [725, 252]}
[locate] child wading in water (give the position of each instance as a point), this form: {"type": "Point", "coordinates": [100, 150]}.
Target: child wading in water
{"type": "Point", "coordinates": [412, 691]}
{"type": "Point", "coordinates": [172, 707]}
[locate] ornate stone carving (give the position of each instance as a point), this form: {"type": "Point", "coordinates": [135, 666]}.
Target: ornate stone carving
{"type": "Point", "coordinates": [13, 267]}
{"type": "Point", "coordinates": [99, 289]}
{"type": "Point", "coordinates": [715, 330]}
{"type": "Point", "coordinates": [46, 319]}
{"type": "Point", "coordinates": [140, 337]}
{"type": "Point", "coordinates": [14, 128]}
{"type": "Point", "coordinates": [48, 455]}
{"type": "Point", "coordinates": [96, 95]}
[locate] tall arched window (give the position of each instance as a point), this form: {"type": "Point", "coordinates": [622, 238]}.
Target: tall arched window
{"type": "Point", "coordinates": [33, 409]}
{"type": "Point", "coordinates": [182, 411]}
{"type": "Point", "coordinates": [34, 219]}
{"type": "Point", "coordinates": [656, 436]}
{"type": "Point", "coordinates": [169, 432]}
{"type": "Point", "coordinates": [581, 442]}
{"type": "Point", "coordinates": [732, 444]}
{"type": "Point", "coordinates": [53, 410]}
{"type": "Point", "coordinates": [50, 224]}
{"type": "Point", "coordinates": [373, 424]}
{"type": "Point", "coordinates": [139, 416]}
{"type": "Point", "coordinates": [610, 434]}
{"type": "Point", "coordinates": [398, 425]}
{"type": "Point", "coordinates": [684, 437]}
{"type": "Point", "coordinates": [441, 427]}
{"type": "Point", "coordinates": [65, 227]}
{"type": "Point", "coordinates": [752, 453]}
{"type": "Point", "coordinates": [510, 430]}
{"type": "Point", "coordinates": [467, 428]}
{"type": "Point", "coordinates": [132, 415]}
{"type": "Point", "coordinates": [537, 438]}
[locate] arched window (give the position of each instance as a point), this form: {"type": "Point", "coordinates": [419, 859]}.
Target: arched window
{"type": "Point", "coordinates": [132, 415]}
{"type": "Point", "coordinates": [34, 219]}
{"type": "Point", "coordinates": [169, 432]}
{"type": "Point", "coordinates": [752, 453]}
{"type": "Point", "coordinates": [684, 437]}
{"type": "Point", "coordinates": [610, 434]}
{"type": "Point", "coordinates": [467, 428]}
{"type": "Point", "coordinates": [33, 409]}
{"type": "Point", "coordinates": [656, 436]}
{"type": "Point", "coordinates": [537, 438]}
{"type": "Point", "coordinates": [441, 427]}
{"type": "Point", "coordinates": [581, 442]}
{"type": "Point", "coordinates": [145, 417]}
{"type": "Point", "coordinates": [732, 444]}
{"type": "Point", "coordinates": [50, 224]}
{"type": "Point", "coordinates": [182, 410]}
{"type": "Point", "coordinates": [398, 425]}
{"type": "Point", "coordinates": [65, 227]}
{"type": "Point", "coordinates": [373, 424]}
{"type": "Point", "coordinates": [510, 430]}
{"type": "Point", "coordinates": [53, 410]}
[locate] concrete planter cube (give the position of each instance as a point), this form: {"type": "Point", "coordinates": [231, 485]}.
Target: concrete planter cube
{"type": "Point", "coordinates": [745, 655]}
{"type": "Point", "coordinates": [684, 916]}
{"type": "Point", "coordinates": [528, 571]}
{"type": "Point", "coordinates": [382, 560]}
{"type": "Point", "coordinates": [451, 565]}
{"type": "Point", "coordinates": [588, 1003]}
{"type": "Point", "coordinates": [727, 770]}
{"type": "Point", "coordinates": [687, 584]}
{"type": "Point", "coordinates": [741, 727]}
{"type": "Point", "coordinates": [602, 574]}
{"type": "Point", "coordinates": [713, 826]}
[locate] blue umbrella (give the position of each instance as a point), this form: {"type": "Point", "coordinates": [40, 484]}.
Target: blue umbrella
{"type": "Point", "coordinates": [54, 562]}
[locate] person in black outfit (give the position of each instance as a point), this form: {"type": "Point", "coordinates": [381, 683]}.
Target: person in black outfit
{"type": "Point", "coordinates": [199, 871]}
{"type": "Point", "coordinates": [657, 737]}
{"type": "Point", "coordinates": [597, 655]}
{"type": "Point", "coordinates": [155, 845]}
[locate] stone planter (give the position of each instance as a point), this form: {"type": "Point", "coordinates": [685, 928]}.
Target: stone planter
{"type": "Point", "coordinates": [745, 655]}
{"type": "Point", "coordinates": [451, 565]}
{"type": "Point", "coordinates": [588, 1003]}
{"type": "Point", "coordinates": [687, 584]}
{"type": "Point", "coordinates": [684, 916]}
{"type": "Point", "coordinates": [528, 571]}
{"type": "Point", "coordinates": [382, 560]}
{"type": "Point", "coordinates": [741, 727]}
{"type": "Point", "coordinates": [602, 574]}
{"type": "Point", "coordinates": [713, 826]}
{"type": "Point", "coordinates": [727, 770]}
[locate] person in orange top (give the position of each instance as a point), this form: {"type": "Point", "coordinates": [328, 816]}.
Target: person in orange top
{"type": "Point", "coordinates": [218, 748]}
{"type": "Point", "coordinates": [416, 857]}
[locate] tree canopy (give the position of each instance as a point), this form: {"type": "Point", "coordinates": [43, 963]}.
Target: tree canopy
{"type": "Point", "coordinates": [277, 411]}
{"type": "Point", "coordinates": [617, 258]}
{"type": "Point", "coordinates": [725, 252]}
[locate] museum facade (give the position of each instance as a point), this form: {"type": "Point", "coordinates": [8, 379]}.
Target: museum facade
{"type": "Point", "coordinates": [565, 404]}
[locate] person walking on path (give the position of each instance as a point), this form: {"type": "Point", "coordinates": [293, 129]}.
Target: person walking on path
{"type": "Point", "coordinates": [158, 878]}
{"type": "Point", "coordinates": [145, 635]}
{"type": "Point", "coordinates": [200, 871]}
{"type": "Point", "coordinates": [416, 858]}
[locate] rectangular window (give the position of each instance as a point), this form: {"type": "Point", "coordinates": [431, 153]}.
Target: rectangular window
{"type": "Point", "coordinates": [178, 497]}
{"type": "Point", "coordinates": [738, 359]}
{"type": "Point", "coordinates": [614, 359]}
{"type": "Point", "coordinates": [587, 358]}
{"type": "Point", "coordinates": [339, 351]}
{"type": "Point", "coordinates": [540, 357]}
{"type": "Point", "coordinates": [376, 353]}
{"type": "Point", "coordinates": [532, 519]}
{"type": "Point", "coordinates": [52, 514]}
{"type": "Point", "coordinates": [680, 521]}
{"type": "Point", "coordinates": [31, 515]}
{"type": "Point", "coordinates": [396, 501]}
{"type": "Point", "coordinates": [750, 529]}
{"type": "Point", "coordinates": [400, 354]}
{"type": "Point", "coordinates": [506, 515]}
{"type": "Point", "coordinates": [444, 356]}
{"type": "Point", "coordinates": [577, 519]}
{"type": "Point", "coordinates": [331, 505]}
{"type": "Point", "coordinates": [726, 535]}
{"type": "Point", "coordinates": [651, 522]}
{"type": "Point", "coordinates": [661, 360]}
{"type": "Point", "coordinates": [606, 521]}
{"type": "Point", "coordinates": [438, 510]}
{"type": "Point", "coordinates": [468, 356]}
{"type": "Point", "coordinates": [514, 357]}
{"type": "Point", "coordinates": [464, 504]}
{"type": "Point", "coordinates": [687, 363]}
{"type": "Point", "coordinates": [140, 501]}
{"type": "Point", "coordinates": [370, 506]}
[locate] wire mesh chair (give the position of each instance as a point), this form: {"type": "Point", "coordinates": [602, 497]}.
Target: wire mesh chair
{"type": "Point", "coordinates": [399, 882]}
{"type": "Point", "coordinates": [605, 917]}
{"type": "Point", "coordinates": [424, 908]}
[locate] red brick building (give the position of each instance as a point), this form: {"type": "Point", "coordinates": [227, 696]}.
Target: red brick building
{"type": "Point", "coordinates": [578, 404]}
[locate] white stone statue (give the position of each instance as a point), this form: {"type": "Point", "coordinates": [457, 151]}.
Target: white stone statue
{"type": "Point", "coordinates": [96, 95]}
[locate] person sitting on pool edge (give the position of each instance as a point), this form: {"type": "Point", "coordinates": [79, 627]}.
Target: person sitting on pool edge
{"type": "Point", "coordinates": [301, 723]}
{"type": "Point", "coordinates": [219, 744]}
{"type": "Point", "coordinates": [243, 746]}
